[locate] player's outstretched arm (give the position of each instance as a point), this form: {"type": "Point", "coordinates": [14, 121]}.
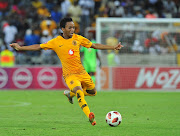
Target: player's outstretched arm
{"type": "Point", "coordinates": [107, 47]}
{"type": "Point", "coordinates": [34, 47]}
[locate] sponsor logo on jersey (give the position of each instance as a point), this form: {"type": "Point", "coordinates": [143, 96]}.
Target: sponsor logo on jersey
{"type": "Point", "coordinates": [74, 42]}
{"type": "Point", "coordinates": [71, 52]}
{"type": "Point", "coordinates": [72, 82]}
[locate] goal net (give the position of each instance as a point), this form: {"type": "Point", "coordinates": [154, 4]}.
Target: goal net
{"type": "Point", "coordinates": [146, 41]}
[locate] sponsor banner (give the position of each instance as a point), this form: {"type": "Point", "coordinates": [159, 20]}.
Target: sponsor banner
{"type": "Point", "coordinates": [32, 78]}
{"type": "Point", "coordinates": [146, 78]}
{"type": "Point", "coordinates": [49, 78]}
{"type": "Point", "coordinates": [21, 78]}
{"type": "Point", "coordinates": [158, 78]}
{"type": "Point", "coordinates": [124, 77]}
{"type": "Point", "coordinates": [110, 78]}
{"type": "Point", "coordinates": [4, 77]}
{"type": "Point", "coordinates": [104, 78]}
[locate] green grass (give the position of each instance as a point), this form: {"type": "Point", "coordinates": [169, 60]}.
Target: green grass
{"type": "Point", "coordinates": [48, 113]}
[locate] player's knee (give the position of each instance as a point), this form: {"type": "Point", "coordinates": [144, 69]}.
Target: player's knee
{"type": "Point", "coordinates": [75, 89]}
{"type": "Point", "coordinates": [93, 92]}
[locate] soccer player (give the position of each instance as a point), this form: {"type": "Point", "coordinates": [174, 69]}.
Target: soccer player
{"type": "Point", "coordinates": [67, 47]}
{"type": "Point", "coordinates": [90, 64]}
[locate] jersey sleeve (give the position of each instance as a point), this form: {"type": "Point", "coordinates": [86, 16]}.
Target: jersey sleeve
{"type": "Point", "coordinates": [48, 45]}
{"type": "Point", "coordinates": [85, 42]}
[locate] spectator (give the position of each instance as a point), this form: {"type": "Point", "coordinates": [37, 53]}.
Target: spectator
{"type": "Point", "coordinates": [46, 54]}
{"type": "Point", "coordinates": [21, 56]}
{"type": "Point", "coordinates": [10, 32]}
{"type": "Point", "coordinates": [43, 12]}
{"type": "Point", "coordinates": [118, 10]}
{"type": "Point", "coordinates": [50, 5]}
{"type": "Point", "coordinates": [20, 10]}
{"type": "Point", "coordinates": [170, 6]}
{"type": "Point", "coordinates": [56, 15]}
{"type": "Point", "coordinates": [97, 6]}
{"type": "Point", "coordinates": [48, 24]}
{"type": "Point", "coordinates": [104, 10]}
{"type": "Point", "coordinates": [152, 44]}
{"type": "Point", "coordinates": [112, 59]}
{"type": "Point", "coordinates": [150, 14]}
{"type": "Point", "coordinates": [36, 4]}
{"type": "Point", "coordinates": [87, 7]}
{"type": "Point", "coordinates": [7, 58]}
{"type": "Point", "coordinates": [137, 48]}
{"type": "Point", "coordinates": [138, 14]}
{"type": "Point", "coordinates": [65, 7]}
{"type": "Point", "coordinates": [75, 12]}
{"type": "Point", "coordinates": [31, 38]}
{"type": "Point", "coordinates": [3, 7]}
{"type": "Point", "coordinates": [23, 14]}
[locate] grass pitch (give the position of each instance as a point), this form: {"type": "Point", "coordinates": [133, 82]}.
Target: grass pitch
{"type": "Point", "coordinates": [48, 113]}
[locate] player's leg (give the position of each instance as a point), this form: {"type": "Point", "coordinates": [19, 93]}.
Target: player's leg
{"type": "Point", "coordinates": [74, 84]}
{"type": "Point", "coordinates": [91, 92]}
{"type": "Point", "coordinates": [70, 83]}
{"type": "Point", "coordinates": [87, 92]}
{"type": "Point", "coordinates": [92, 71]}
{"type": "Point", "coordinates": [69, 95]}
{"type": "Point", "coordinates": [92, 74]}
{"type": "Point", "coordinates": [83, 104]}
{"type": "Point", "coordinates": [88, 86]}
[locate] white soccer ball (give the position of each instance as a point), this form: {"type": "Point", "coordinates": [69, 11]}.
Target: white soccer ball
{"type": "Point", "coordinates": [113, 118]}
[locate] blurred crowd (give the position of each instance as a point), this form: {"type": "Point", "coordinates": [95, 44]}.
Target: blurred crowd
{"type": "Point", "coordinates": [30, 22]}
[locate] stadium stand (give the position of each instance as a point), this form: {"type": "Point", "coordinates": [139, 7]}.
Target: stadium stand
{"type": "Point", "coordinates": [21, 20]}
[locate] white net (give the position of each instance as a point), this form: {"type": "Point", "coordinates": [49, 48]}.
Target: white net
{"type": "Point", "coordinates": [146, 41]}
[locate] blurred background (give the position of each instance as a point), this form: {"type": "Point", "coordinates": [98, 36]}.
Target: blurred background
{"type": "Point", "coordinates": [148, 29]}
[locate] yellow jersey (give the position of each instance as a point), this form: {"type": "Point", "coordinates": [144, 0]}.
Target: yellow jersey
{"type": "Point", "coordinates": [68, 51]}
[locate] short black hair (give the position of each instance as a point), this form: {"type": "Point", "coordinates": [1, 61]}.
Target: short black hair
{"type": "Point", "coordinates": [64, 21]}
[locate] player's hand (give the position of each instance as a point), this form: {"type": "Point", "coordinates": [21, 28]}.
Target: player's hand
{"type": "Point", "coordinates": [16, 46]}
{"type": "Point", "coordinates": [119, 46]}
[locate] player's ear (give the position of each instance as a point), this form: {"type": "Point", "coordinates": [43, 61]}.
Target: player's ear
{"type": "Point", "coordinates": [62, 29]}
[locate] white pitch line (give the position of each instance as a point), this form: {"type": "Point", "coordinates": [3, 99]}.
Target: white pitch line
{"type": "Point", "coordinates": [19, 104]}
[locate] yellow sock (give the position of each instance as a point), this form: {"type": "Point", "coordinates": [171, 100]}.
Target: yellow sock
{"type": "Point", "coordinates": [82, 102]}
{"type": "Point", "coordinates": [84, 91]}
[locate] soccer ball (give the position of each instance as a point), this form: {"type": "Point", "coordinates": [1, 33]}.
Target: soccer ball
{"type": "Point", "coordinates": [113, 118]}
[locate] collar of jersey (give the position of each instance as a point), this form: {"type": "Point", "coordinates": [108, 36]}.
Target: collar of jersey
{"type": "Point", "coordinates": [69, 38]}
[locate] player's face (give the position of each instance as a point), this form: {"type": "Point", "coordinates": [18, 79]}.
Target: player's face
{"type": "Point", "coordinates": [69, 29]}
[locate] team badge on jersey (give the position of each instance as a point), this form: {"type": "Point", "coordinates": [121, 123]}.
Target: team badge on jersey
{"type": "Point", "coordinates": [74, 42]}
{"type": "Point", "coordinates": [71, 52]}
